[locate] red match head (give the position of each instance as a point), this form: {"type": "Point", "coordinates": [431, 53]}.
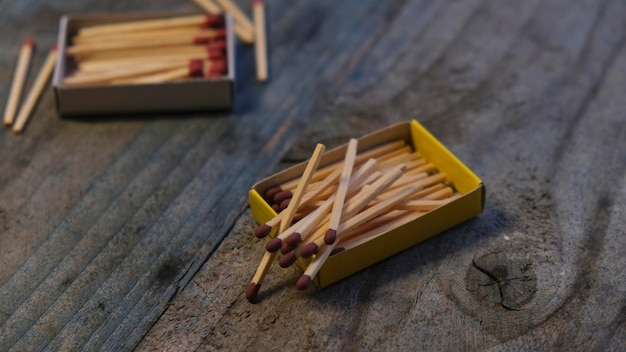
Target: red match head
{"type": "Point", "coordinates": [195, 67]}
{"type": "Point", "coordinates": [217, 68]}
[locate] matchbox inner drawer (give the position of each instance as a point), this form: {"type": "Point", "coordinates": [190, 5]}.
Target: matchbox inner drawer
{"type": "Point", "coordinates": [470, 203]}
{"type": "Point", "coordinates": [191, 95]}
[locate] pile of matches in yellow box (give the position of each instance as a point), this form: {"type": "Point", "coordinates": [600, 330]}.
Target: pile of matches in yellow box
{"type": "Point", "coordinates": [342, 205]}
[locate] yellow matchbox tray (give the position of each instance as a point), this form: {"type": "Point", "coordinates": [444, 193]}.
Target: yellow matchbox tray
{"type": "Point", "coordinates": [189, 95]}
{"type": "Point", "coordinates": [470, 203]}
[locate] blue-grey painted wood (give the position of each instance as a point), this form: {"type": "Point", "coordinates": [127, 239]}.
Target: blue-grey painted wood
{"type": "Point", "coordinates": [132, 231]}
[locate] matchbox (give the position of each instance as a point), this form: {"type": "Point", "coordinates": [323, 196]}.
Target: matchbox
{"type": "Point", "coordinates": [183, 94]}
{"type": "Point", "coordinates": [468, 202]}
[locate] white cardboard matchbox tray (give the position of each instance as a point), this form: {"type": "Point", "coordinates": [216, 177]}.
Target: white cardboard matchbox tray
{"type": "Point", "coordinates": [191, 95]}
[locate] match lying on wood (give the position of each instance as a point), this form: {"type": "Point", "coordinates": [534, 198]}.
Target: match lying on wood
{"type": "Point", "coordinates": [35, 91]}
{"type": "Point", "coordinates": [356, 199]}
{"type": "Point", "coordinates": [260, 45]}
{"type": "Point", "coordinates": [21, 69]}
{"type": "Point", "coordinates": [149, 51]}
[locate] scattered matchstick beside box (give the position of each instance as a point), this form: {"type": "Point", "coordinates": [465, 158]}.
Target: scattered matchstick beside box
{"type": "Point", "coordinates": [35, 92]}
{"type": "Point", "coordinates": [19, 78]}
{"type": "Point", "coordinates": [260, 45]}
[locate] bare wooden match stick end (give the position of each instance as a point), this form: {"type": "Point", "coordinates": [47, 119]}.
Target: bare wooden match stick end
{"type": "Point", "coordinates": [273, 245]}
{"type": "Point", "coordinates": [304, 282]}
{"type": "Point", "coordinates": [262, 231]}
{"type": "Point", "coordinates": [252, 292]}
{"type": "Point", "coordinates": [287, 260]}
{"type": "Point", "coordinates": [331, 236]}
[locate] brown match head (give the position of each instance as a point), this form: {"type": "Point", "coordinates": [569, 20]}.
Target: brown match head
{"type": "Point", "coordinates": [200, 40]}
{"type": "Point", "coordinates": [304, 282]}
{"type": "Point", "coordinates": [286, 248]}
{"type": "Point", "coordinates": [308, 250]}
{"type": "Point", "coordinates": [217, 45]}
{"type": "Point", "coordinates": [273, 245]}
{"type": "Point", "coordinates": [276, 207]}
{"type": "Point", "coordinates": [286, 260]}
{"type": "Point", "coordinates": [220, 33]}
{"type": "Point", "coordinates": [262, 231]}
{"type": "Point", "coordinates": [217, 68]}
{"type": "Point", "coordinates": [280, 196]}
{"type": "Point", "coordinates": [284, 204]}
{"type": "Point", "coordinates": [214, 54]}
{"type": "Point", "coordinates": [252, 291]}
{"type": "Point", "coordinates": [271, 192]}
{"type": "Point", "coordinates": [213, 21]}
{"type": "Point", "coordinates": [195, 67]}
{"type": "Point", "coordinates": [330, 237]}
{"type": "Point", "coordinates": [294, 239]}
{"type": "Point", "coordinates": [28, 42]}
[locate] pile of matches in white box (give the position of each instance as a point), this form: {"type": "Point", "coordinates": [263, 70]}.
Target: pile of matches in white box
{"type": "Point", "coordinates": [149, 51]}
{"type": "Point", "coordinates": [165, 49]}
{"type": "Point", "coordinates": [347, 203]}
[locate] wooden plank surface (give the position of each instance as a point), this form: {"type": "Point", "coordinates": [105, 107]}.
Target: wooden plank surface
{"type": "Point", "coordinates": [132, 232]}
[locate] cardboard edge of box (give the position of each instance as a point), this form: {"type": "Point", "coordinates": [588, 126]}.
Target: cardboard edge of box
{"type": "Point", "coordinates": [193, 95]}
{"type": "Point", "coordinates": [346, 263]}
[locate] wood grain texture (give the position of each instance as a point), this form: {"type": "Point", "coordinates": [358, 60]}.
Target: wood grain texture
{"type": "Point", "coordinates": [132, 232]}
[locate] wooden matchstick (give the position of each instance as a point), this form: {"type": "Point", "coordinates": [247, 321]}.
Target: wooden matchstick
{"type": "Point", "coordinates": [260, 44]}
{"type": "Point", "coordinates": [321, 215]}
{"type": "Point", "coordinates": [311, 271]}
{"type": "Point", "coordinates": [19, 77]}
{"type": "Point", "coordinates": [421, 184]}
{"type": "Point", "coordinates": [383, 206]}
{"type": "Point", "coordinates": [142, 25]}
{"type": "Point", "coordinates": [407, 211]}
{"type": "Point", "coordinates": [388, 222]}
{"type": "Point", "coordinates": [194, 69]}
{"type": "Point", "coordinates": [141, 35]}
{"type": "Point", "coordinates": [342, 191]}
{"type": "Point", "coordinates": [331, 234]}
{"type": "Point", "coordinates": [106, 76]}
{"type": "Point", "coordinates": [367, 194]}
{"type": "Point", "coordinates": [35, 91]}
{"type": "Point", "coordinates": [103, 65]}
{"type": "Point", "coordinates": [209, 6]}
{"type": "Point", "coordinates": [397, 159]}
{"type": "Point", "coordinates": [240, 18]}
{"type": "Point", "coordinates": [253, 288]}
{"type": "Point", "coordinates": [165, 50]}
{"type": "Point", "coordinates": [373, 153]}
{"type": "Point", "coordinates": [198, 37]}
